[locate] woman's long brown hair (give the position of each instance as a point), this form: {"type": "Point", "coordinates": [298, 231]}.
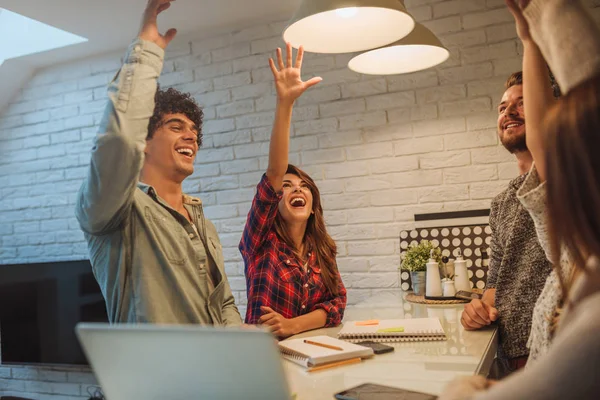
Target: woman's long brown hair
{"type": "Point", "coordinates": [316, 237]}
{"type": "Point", "coordinates": [573, 171]}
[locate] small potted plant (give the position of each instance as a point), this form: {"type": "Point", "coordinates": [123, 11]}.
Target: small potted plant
{"type": "Point", "coordinates": [415, 260]}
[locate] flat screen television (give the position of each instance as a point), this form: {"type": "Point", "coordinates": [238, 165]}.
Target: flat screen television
{"type": "Point", "coordinates": [40, 304]}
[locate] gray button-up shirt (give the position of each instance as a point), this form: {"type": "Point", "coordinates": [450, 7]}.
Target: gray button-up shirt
{"type": "Point", "coordinates": [150, 263]}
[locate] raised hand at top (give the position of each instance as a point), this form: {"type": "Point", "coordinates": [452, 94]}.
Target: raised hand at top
{"type": "Point", "coordinates": [288, 80]}
{"type": "Point", "coordinates": [149, 28]}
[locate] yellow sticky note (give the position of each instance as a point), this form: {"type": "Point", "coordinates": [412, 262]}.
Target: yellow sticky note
{"type": "Point", "coordinates": [391, 330]}
{"type": "Point", "coordinates": [367, 323]}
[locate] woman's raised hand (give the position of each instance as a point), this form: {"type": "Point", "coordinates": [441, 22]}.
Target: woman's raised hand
{"type": "Point", "coordinates": [288, 80]}
{"type": "Point", "coordinates": [517, 11]}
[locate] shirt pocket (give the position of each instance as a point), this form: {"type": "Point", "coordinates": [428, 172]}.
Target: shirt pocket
{"type": "Point", "coordinates": [168, 235]}
{"type": "Point", "coordinates": [287, 271]}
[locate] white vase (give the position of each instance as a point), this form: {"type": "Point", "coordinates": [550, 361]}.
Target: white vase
{"type": "Point", "coordinates": [434, 283]}
{"type": "Point", "coordinates": [461, 275]}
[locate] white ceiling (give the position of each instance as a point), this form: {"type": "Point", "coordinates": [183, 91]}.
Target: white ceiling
{"type": "Point", "coordinates": [111, 24]}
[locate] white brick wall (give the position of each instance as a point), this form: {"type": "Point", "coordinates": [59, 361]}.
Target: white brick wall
{"type": "Point", "coordinates": [380, 148]}
{"type": "Point", "coordinates": [47, 383]}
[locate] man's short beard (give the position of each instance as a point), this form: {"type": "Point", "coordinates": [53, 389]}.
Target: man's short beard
{"type": "Point", "coordinates": [514, 144]}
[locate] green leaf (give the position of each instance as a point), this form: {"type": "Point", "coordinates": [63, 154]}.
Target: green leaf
{"type": "Point", "coordinates": [416, 257]}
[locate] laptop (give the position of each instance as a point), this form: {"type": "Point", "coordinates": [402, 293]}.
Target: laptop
{"type": "Point", "coordinates": [175, 362]}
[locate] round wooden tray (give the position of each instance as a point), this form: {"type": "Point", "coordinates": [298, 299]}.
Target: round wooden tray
{"type": "Point", "coordinates": [422, 300]}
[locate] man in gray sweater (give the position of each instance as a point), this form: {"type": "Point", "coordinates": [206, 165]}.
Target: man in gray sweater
{"type": "Point", "coordinates": [518, 265]}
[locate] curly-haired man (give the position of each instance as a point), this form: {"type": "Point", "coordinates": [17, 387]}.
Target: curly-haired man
{"type": "Point", "coordinates": [154, 255]}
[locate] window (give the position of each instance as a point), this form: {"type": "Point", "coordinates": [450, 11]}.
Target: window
{"type": "Point", "coordinates": [21, 36]}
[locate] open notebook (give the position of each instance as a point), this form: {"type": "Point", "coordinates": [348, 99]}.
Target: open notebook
{"type": "Point", "coordinates": [393, 330]}
{"type": "Point", "coordinates": [310, 355]}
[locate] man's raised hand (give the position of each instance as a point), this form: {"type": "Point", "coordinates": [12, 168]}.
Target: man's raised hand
{"type": "Point", "coordinates": [149, 28]}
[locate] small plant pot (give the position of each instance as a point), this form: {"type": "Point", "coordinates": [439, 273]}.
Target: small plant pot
{"type": "Point", "coordinates": [418, 282]}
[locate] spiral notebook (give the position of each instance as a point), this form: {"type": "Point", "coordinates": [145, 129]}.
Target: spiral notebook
{"type": "Point", "coordinates": [393, 330]}
{"type": "Point", "coordinates": [312, 355]}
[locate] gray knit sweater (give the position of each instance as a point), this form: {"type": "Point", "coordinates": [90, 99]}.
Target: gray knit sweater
{"type": "Point", "coordinates": [518, 269]}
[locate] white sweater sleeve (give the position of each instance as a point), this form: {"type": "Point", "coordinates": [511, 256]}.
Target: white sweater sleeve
{"type": "Point", "coordinates": [568, 38]}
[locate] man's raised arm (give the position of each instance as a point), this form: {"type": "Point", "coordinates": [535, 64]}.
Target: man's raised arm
{"type": "Point", "coordinates": [107, 193]}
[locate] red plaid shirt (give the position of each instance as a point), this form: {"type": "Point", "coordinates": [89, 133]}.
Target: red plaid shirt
{"type": "Point", "coordinates": [274, 276]}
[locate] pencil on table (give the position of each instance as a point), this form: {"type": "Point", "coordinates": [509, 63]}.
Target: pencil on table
{"type": "Point", "coordinates": [328, 346]}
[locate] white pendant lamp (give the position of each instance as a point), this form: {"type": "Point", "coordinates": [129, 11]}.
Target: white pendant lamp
{"type": "Point", "coordinates": [421, 49]}
{"type": "Point", "coordinates": [345, 26]}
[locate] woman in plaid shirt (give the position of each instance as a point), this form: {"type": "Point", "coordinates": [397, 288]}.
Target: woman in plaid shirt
{"type": "Point", "coordinates": [292, 279]}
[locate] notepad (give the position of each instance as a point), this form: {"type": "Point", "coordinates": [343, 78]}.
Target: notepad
{"type": "Point", "coordinates": [311, 356]}
{"type": "Point", "coordinates": [394, 330]}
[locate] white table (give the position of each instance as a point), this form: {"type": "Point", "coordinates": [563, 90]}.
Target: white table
{"type": "Point", "coordinates": [421, 366]}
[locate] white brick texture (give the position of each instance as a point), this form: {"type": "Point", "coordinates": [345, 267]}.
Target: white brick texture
{"type": "Point", "coordinates": [381, 148]}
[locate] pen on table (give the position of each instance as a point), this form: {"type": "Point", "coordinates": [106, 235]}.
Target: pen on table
{"type": "Point", "coordinates": [328, 346]}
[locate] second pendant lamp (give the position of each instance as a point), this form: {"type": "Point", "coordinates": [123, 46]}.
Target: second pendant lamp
{"type": "Point", "coordinates": [420, 50]}
{"type": "Point", "coordinates": [345, 26]}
